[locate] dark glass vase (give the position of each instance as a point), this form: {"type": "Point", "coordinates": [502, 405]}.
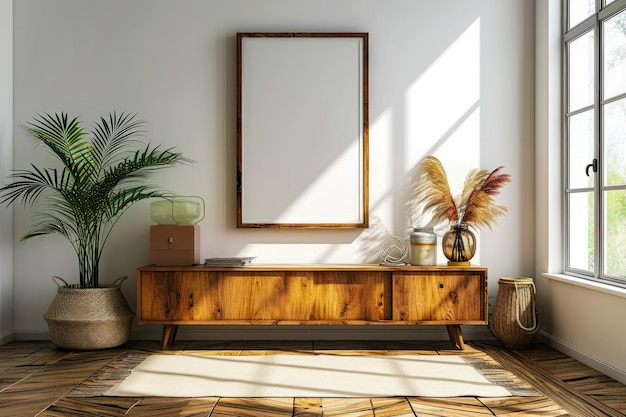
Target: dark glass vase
{"type": "Point", "coordinates": [459, 245]}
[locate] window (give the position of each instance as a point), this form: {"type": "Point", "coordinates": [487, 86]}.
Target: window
{"type": "Point", "coordinates": [595, 139]}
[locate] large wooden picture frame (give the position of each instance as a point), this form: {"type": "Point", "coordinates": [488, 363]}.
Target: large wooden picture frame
{"type": "Point", "coordinates": [302, 130]}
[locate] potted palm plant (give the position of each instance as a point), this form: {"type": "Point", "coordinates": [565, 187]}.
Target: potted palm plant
{"type": "Point", "coordinates": [101, 174]}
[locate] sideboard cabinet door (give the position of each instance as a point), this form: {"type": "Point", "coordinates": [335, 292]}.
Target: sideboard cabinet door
{"type": "Point", "coordinates": [174, 296]}
{"type": "Point", "coordinates": [188, 296]}
{"type": "Point", "coordinates": [440, 296]}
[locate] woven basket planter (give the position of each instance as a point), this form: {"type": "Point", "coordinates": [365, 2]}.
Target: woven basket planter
{"type": "Point", "coordinates": [89, 318]}
{"type": "Point", "coordinates": [515, 319]}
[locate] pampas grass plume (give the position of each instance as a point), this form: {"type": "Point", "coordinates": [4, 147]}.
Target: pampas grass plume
{"type": "Point", "coordinates": [474, 206]}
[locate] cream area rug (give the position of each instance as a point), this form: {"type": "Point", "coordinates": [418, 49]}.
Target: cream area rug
{"type": "Point", "coordinates": [305, 376]}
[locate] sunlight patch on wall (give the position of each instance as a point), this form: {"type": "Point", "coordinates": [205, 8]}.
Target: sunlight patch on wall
{"type": "Point", "coordinates": [459, 153]}
{"type": "Point", "coordinates": [442, 109]}
{"type": "Point", "coordinates": [335, 183]}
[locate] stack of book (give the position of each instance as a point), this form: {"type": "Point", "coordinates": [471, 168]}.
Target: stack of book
{"type": "Point", "coordinates": [228, 262]}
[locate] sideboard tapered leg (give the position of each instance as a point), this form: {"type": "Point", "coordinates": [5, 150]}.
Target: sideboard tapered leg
{"type": "Point", "coordinates": [169, 334]}
{"type": "Point", "coordinates": [456, 337]}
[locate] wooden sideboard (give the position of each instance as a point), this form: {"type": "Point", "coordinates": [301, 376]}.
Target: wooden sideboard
{"type": "Point", "coordinates": [312, 294]}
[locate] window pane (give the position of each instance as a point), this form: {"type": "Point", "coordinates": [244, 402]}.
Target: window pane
{"type": "Point", "coordinates": [615, 234]}
{"type": "Point", "coordinates": [614, 47]}
{"type": "Point", "coordinates": [579, 10]}
{"type": "Point", "coordinates": [581, 76]}
{"type": "Point", "coordinates": [581, 152]}
{"type": "Point", "coordinates": [581, 231]}
{"type": "Point", "coordinates": [614, 129]}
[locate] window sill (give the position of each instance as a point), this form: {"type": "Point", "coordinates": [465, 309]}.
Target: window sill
{"type": "Point", "coordinates": [584, 283]}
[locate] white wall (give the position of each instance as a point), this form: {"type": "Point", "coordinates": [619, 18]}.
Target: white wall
{"type": "Point", "coordinates": [452, 78]}
{"type": "Point", "coordinates": [6, 157]}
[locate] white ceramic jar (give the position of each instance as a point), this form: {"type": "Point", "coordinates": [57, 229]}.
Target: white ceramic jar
{"type": "Point", "coordinates": [423, 246]}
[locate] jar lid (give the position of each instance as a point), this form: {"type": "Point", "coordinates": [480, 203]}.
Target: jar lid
{"type": "Point", "coordinates": [423, 235]}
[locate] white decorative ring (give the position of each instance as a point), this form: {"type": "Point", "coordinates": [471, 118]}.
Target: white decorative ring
{"type": "Point", "coordinates": [393, 250]}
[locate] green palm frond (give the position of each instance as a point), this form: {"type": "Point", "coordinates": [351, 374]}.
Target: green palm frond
{"type": "Point", "coordinates": [65, 138]}
{"type": "Point", "coordinates": [113, 137]}
{"type": "Point", "coordinates": [102, 174]}
{"type": "Point", "coordinates": [49, 224]}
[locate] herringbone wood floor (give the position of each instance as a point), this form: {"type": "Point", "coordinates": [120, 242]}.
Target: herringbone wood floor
{"type": "Point", "coordinates": [37, 379]}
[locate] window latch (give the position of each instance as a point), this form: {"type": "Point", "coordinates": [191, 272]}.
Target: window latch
{"type": "Point", "coordinates": [593, 165]}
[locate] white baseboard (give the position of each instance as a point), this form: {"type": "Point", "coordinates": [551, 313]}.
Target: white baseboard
{"type": "Point", "coordinates": [7, 338]}
{"type": "Point", "coordinates": [32, 335]}
{"type": "Point", "coordinates": [614, 371]}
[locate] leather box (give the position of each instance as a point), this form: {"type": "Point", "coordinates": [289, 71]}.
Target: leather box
{"type": "Point", "coordinates": [175, 245]}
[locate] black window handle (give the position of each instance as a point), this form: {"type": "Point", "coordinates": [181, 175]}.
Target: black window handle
{"type": "Point", "coordinates": [593, 165]}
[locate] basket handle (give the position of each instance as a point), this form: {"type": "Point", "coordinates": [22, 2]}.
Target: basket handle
{"type": "Point", "coordinates": [118, 282]}
{"type": "Point", "coordinates": [60, 282]}
{"type": "Point", "coordinates": [535, 322]}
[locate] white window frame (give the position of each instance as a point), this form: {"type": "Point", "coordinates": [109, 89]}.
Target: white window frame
{"type": "Point", "coordinates": [592, 23]}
